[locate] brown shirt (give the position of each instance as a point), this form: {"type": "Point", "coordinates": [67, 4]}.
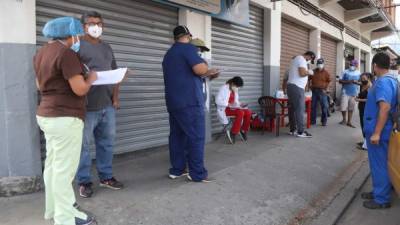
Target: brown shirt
{"type": "Point", "coordinates": [320, 79]}
{"type": "Point", "coordinates": [54, 64]}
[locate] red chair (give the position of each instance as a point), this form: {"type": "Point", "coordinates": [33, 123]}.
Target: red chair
{"type": "Point", "coordinates": [273, 110]}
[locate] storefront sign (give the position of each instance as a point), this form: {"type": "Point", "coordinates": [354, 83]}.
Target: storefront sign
{"type": "Point", "coordinates": [234, 11]}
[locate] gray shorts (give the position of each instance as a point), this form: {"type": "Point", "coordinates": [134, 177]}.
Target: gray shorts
{"type": "Point", "coordinates": [347, 103]}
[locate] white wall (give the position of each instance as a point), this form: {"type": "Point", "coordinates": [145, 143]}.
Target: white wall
{"type": "Point", "coordinates": [20, 19]}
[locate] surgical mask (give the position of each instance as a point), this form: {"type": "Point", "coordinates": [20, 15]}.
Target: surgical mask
{"type": "Point", "coordinates": [364, 82]}
{"type": "Point", "coordinates": [235, 89]}
{"type": "Point", "coordinates": [201, 55]}
{"type": "Point", "coordinates": [95, 31]}
{"type": "Point", "coordinates": [320, 66]}
{"type": "Point", "coordinates": [352, 68]}
{"type": "Point", "coordinates": [76, 46]}
{"type": "Point", "coordinates": [308, 62]}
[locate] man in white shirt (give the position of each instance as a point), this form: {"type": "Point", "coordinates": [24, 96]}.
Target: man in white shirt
{"type": "Point", "coordinates": [297, 82]}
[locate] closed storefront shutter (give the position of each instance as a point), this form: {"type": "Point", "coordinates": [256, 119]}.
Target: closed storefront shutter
{"type": "Point", "coordinates": [140, 32]}
{"type": "Point", "coordinates": [329, 52]}
{"type": "Point", "coordinates": [240, 51]}
{"type": "Point", "coordinates": [295, 41]}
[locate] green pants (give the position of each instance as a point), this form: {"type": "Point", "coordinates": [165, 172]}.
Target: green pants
{"type": "Point", "coordinates": [63, 148]}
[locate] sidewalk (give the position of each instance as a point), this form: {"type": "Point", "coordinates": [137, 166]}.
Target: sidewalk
{"type": "Point", "coordinates": [269, 181]}
{"type": "Point", "coordinates": [357, 214]}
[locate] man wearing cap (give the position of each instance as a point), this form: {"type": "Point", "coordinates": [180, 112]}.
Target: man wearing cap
{"type": "Point", "coordinates": [60, 115]}
{"type": "Point", "coordinates": [296, 84]}
{"type": "Point", "coordinates": [350, 84]}
{"type": "Point", "coordinates": [319, 84]}
{"type": "Point", "coordinates": [183, 72]}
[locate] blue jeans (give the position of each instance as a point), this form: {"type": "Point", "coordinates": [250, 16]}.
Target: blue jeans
{"type": "Point", "coordinates": [186, 142]}
{"type": "Point", "coordinates": [101, 126]}
{"type": "Point", "coordinates": [318, 95]}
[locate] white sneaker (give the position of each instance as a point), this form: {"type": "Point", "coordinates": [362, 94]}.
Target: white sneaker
{"type": "Point", "coordinates": [173, 177]}
{"type": "Point", "coordinates": [292, 133]}
{"type": "Point", "coordinates": [305, 134]}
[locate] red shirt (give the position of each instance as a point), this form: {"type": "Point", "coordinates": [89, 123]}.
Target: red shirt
{"type": "Point", "coordinates": [232, 98]}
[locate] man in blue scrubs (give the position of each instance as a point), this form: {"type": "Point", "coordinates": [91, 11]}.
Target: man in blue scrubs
{"type": "Point", "coordinates": [381, 103]}
{"type": "Point", "coordinates": [183, 72]}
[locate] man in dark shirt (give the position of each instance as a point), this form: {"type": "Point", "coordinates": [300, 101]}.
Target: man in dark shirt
{"type": "Point", "coordinates": [183, 71]}
{"type": "Point", "coordinates": [102, 100]}
{"type": "Point", "coordinates": [319, 84]}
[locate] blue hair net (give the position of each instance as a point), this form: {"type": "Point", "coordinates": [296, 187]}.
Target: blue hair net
{"type": "Point", "coordinates": [62, 27]}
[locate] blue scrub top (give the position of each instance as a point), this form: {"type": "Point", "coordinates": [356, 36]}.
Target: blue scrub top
{"type": "Point", "coordinates": [183, 88]}
{"type": "Point", "coordinates": [350, 89]}
{"type": "Point", "coordinates": [384, 89]}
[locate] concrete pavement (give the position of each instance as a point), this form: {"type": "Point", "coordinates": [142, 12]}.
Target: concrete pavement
{"type": "Point", "coordinates": [269, 181]}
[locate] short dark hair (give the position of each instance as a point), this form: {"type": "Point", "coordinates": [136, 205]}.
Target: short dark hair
{"type": "Point", "coordinates": [382, 60]}
{"type": "Point", "coordinates": [368, 75]}
{"type": "Point", "coordinates": [237, 81]}
{"type": "Point", "coordinates": [88, 14]}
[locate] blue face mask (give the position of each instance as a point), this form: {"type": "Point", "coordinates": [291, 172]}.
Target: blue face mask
{"type": "Point", "coordinates": [76, 46]}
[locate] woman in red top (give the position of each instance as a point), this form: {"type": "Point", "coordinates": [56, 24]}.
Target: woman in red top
{"type": "Point", "coordinates": [228, 104]}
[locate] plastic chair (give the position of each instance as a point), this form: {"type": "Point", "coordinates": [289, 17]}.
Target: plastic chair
{"type": "Point", "coordinates": [270, 111]}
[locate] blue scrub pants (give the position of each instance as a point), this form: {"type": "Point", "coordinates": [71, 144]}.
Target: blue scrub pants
{"type": "Point", "coordinates": [378, 160]}
{"type": "Point", "coordinates": [186, 142]}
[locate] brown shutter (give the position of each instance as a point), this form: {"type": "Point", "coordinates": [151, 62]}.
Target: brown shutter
{"type": "Point", "coordinates": [295, 41]}
{"type": "Point", "coordinates": [329, 52]}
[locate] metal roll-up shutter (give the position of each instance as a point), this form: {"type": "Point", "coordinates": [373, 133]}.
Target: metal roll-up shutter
{"type": "Point", "coordinates": [329, 52]}
{"type": "Point", "coordinates": [240, 51]}
{"type": "Point", "coordinates": [295, 41]}
{"type": "Point", "coordinates": [140, 33]}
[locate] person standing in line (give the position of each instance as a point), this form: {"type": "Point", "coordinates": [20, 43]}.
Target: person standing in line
{"type": "Point", "coordinates": [102, 102]}
{"type": "Point", "coordinates": [319, 84]}
{"type": "Point", "coordinates": [381, 104]}
{"type": "Point", "coordinates": [362, 99]}
{"type": "Point", "coordinates": [60, 115]}
{"type": "Point", "coordinates": [183, 71]}
{"type": "Point", "coordinates": [350, 84]}
{"type": "Point", "coordinates": [297, 82]}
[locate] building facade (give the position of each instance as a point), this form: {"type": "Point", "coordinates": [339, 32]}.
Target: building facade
{"type": "Point", "coordinates": [140, 32]}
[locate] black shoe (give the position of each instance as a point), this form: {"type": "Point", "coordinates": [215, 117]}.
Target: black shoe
{"type": "Point", "coordinates": [305, 134]}
{"type": "Point", "coordinates": [85, 190]}
{"type": "Point", "coordinates": [88, 221]}
{"type": "Point", "coordinates": [112, 184]}
{"type": "Point", "coordinates": [367, 195]}
{"type": "Point", "coordinates": [244, 135]}
{"type": "Point", "coordinates": [233, 138]}
{"type": "Point", "coordinates": [371, 204]}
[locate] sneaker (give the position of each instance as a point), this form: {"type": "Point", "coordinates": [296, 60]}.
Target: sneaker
{"type": "Point", "coordinates": [112, 184]}
{"type": "Point", "coordinates": [367, 195]}
{"type": "Point", "coordinates": [85, 190]}
{"type": "Point", "coordinates": [305, 134]}
{"type": "Point", "coordinates": [292, 133]}
{"type": "Point", "coordinates": [244, 135]}
{"type": "Point", "coordinates": [202, 181]}
{"type": "Point", "coordinates": [173, 177]}
{"type": "Point", "coordinates": [88, 221]}
{"type": "Point", "coordinates": [371, 204]}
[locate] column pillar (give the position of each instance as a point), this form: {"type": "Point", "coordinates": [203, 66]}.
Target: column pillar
{"type": "Point", "coordinates": [200, 27]}
{"type": "Point", "coordinates": [272, 49]}
{"type": "Point", "coordinates": [20, 163]}
{"type": "Point", "coordinates": [340, 65]}
{"type": "Point", "coordinates": [315, 42]}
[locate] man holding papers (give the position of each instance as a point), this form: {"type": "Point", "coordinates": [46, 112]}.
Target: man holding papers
{"type": "Point", "coordinates": [102, 101]}
{"type": "Point", "coordinates": [183, 72]}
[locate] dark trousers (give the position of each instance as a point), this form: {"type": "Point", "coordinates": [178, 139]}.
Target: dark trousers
{"type": "Point", "coordinates": [186, 142]}
{"type": "Point", "coordinates": [361, 112]}
{"type": "Point", "coordinates": [297, 107]}
{"type": "Point", "coordinates": [318, 95]}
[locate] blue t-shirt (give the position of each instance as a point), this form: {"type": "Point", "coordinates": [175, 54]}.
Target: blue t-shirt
{"type": "Point", "coordinates": [350, 89]}
{"type": "Point", "coordinates": [384, 89]}
{"type": "Point", "coordinates": [183, 88]}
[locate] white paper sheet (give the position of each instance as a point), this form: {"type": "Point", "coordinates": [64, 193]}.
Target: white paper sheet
{"type": "Point", "coordinates": [110, 76]}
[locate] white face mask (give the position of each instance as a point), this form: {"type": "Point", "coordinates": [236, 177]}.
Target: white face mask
{"type": "Point", "coordinates": [235, 89]}
{"type": "Point", "coordinates": [320, 66]}
{"type": "Point", "coordinates": [95, 31]}
{"type": "Point", "coordinates": [308, 62]}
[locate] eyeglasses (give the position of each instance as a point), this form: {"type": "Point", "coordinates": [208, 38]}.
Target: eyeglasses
{"type": "Point", "coordinates": [100, 24]}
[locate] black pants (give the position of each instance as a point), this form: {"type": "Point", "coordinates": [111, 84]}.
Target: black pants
{"type": "Point", "coordinates": [361, 111]}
